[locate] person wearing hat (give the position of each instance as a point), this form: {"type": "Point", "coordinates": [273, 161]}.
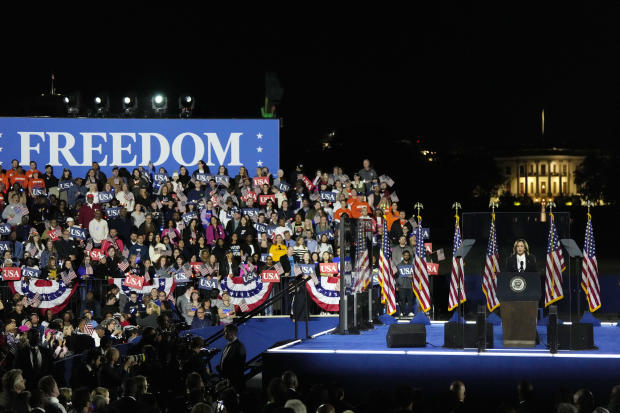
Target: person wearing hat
{"type": "Point", "coordinates": [87, 212]}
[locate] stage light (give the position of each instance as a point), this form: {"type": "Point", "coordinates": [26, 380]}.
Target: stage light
{"type": "Point", "coordinates": [102, 105]}
{"type": "Point", "coordinates": [130, 105]}
{"type": "Point", "coordinates": [159, 104]}
{"type": "Point", "coordinates": [72, 104]}
{"type": "Point", "coordinates": [186, 106]}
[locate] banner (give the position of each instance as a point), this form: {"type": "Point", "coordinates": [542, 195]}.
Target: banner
{"type": "Point", "coordinates": [262, 199]}
{"type": "Point", "coordinates": [283, 186]}
{"type": "Point", "coordinates": [207, 284]}
{"type": "Point", "coordinates": [112, 212]}
{"type": "Point", "coordinates": [328, 267]}
{"type": "Point", "coordinates": [328, 196]}
{"type": "Point", "coordinates": [270, 276]}
{"type": "Point", "coordinates": [133, 281]}
{"type": "Point", "coordinates": [54, 295]}
{"type": "Point", "coordinates": [325, 292]}
{"type": "Point", "coordinates": [5, 245]}
{"type": "Point", "coordinates": [76, 143]}
{"type": "Point", "coordinates": [77, 232]}
{"type": "Point", "coordinates": [96, 254]}
{"type": "Point", "coordinates": [63, 186]}
{"type": "Point", "coordinates": [5, 229]}
{"type": "Point", "coordinates": [432, 268]}
{"type": "Point", "coordinates": [405, 271]}
{"type": "Point", "coordinates": [162, 284]}
{"type": "Point", "coordinates": [31, 272]}
{"type": "Point", "coordinates": [259, 181]}
{"type": "Point", "coordinates": [254, 293]}
{"type": "Point", "coordinates": [103, 197]}
{"type": "Point", "coordinates": [38, 191]}
{"type": "Point", "coordinates": [426, 233]}
{"type": "Point", "coordinates": [11, 273]}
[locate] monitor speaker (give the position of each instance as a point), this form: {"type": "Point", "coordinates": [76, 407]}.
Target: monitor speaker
{"type": "Point", "coordinates": [406, 335]}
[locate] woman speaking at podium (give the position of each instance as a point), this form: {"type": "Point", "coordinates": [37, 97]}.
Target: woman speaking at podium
{"type": "Point", "coordinates": [521, 260]}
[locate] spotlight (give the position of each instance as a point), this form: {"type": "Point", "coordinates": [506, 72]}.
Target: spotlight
{"type": "Point", "coordinates": [102, 105]}
{"type": "Point", "coordinates": [186, 106]}
{"type": "Point", "coordinates": [72, 104]}
{"type": "Point", "coordinates": [159, 104]}
{"type": "Point", "coordinates": [130, 105]}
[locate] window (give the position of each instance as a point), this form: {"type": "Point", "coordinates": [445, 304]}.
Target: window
{"type": "Point", "coordinates": [543, 169]}
{"type": "Point", "coordinates": [565, 188]}
{"type": "Point", "coordinates": [521, 170]}
{"type": "Point", "coordinates": [521, 188]}
{"type": "Point", "coordinates": [543, 187]}
{"type": "Point", "coordinates": [553, 168]}
{"type": "Point", "coordinates": [531, 187]}
{"type": "Point", "coordinates": [564, 170]}
{"type": "Point", "coordinates": [508, 170]}
{"type": "Point", "coordinates": [555, 187]}
{"type": "Point", "coordinates": [531, 169]}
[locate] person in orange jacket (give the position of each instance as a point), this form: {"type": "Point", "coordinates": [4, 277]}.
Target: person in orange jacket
{"type": "Point", "coordinates": [35, 181]}
{"type": "Point", "coordinates": [33, 168]}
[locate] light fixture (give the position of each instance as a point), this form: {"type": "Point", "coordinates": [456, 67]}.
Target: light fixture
{"type": "Point", "coordinates": [72, 104]}
{"type": "Point", "coordinates": [187, 104]}
{"type": "Point", "coordinates": [159, 104]}
{"type": "Point", "coordinates": [102, 105]}
{"type": "Point", "coordinates": [130, 105]}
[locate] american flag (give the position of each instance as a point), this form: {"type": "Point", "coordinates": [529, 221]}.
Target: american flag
{"type": "Point", "coordinates": [278, 267]}
{"type": "Point", "coordinates": [555, 266]}
{"type": "Point", "coordinates": [35, 301]}
{"type": "Point", "coordinates": [489, 280]}
{"type": "Point", "coordinates": [420, 274]}
{"type": "Point", "coordinates": [362, 264]}
{"type": "Point", "coordinates": [88, 328]}
{"type": "Point", "coordinates": [589, 269]}
{"type": "Point", "coordinates": [297, 270]}
{"type": "Point", "coordinates": [123, 265]}
{"type": "Point", "coordinates": [187, 270]}
{"type": "Point", "coordinates": [67, 277]}
{"type": "Point", "coordinates": [386, 272]}
{"type": "Point", "coordinates": [458, 275]}
{"type": "Point", "coordinates": [204, 270]}
{"type": "Point", "coordinates": [243, 306]}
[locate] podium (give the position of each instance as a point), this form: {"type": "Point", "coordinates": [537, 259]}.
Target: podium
{"type": "Point", "coordinates": [518, 295]}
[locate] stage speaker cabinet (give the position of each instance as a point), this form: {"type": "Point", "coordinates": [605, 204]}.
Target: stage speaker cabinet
{"type": "Point", "coordinates": [406, 335]}
{"type": "Point", "coordinates": [582, 336]}
{"type": "Point", "coordinates": [452, 335]}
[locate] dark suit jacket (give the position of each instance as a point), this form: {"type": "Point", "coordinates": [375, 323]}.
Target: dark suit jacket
{"type": "Point", "coordinates": [530, 263]}
{"type": "Point", "coordinates": [232, 364]}
{"type": "Point", "coordinates": [32, 375]}
{"type": "Point", "coordinates": [224, 268]}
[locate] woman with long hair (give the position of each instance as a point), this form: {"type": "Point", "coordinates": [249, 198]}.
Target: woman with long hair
{"type": "Point", "coordinates": [214, 231]}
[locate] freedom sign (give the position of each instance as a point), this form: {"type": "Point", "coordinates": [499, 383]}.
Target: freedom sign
{"type": "Point", "coordinates": [76, 143]}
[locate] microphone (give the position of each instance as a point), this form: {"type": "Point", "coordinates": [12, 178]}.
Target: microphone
{"type": "Point", "coordinates": [521, 269]}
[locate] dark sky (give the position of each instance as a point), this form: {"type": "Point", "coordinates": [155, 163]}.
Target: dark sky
{"type": "Point", "coordinates": [454, 73]}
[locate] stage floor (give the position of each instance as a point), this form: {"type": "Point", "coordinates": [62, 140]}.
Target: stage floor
{"type": "Point", "coordinates": [362, 362]}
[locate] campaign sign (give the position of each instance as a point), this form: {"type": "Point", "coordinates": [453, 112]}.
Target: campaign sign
{"type": "Point", "coordinates": [31, 272]}
{"type": "Point", "coordinates": [5, 229]}
{"type": "Point", "coordinates": [405, 271]}
{"type": "Point", "coordinates": [96, 254]}
{"type": "Point", "coordinates": [262, 199]}
{"type": "Point", "coordinates": [160, 178]}
{"type": "Point", "coordinates": [307, 182]}
{"type": "Point", "coordinates": [76, 143]}
{"type": "Point", "coordinates": [328, 267]}
{"type": "Point", "coordinates": [38, 191]}
{"type": "Point", "coordinates": [77, 232]}
{"type": "Point", "coordinates": [260, 228]}
{"type": "Point", "coordinates": [113, 212]}
{"type": "Point", "coordinates": [63, 186]}
{"type": "Point", "coordinates": [202, 177]}
{"type": "Point", "coordinates": [426, 232]}
{"type": "Point", "coordinates": [207, 284]}
{"type": "Point", "coordinates": [222, 180]}
{"type": "Point", "coordinates": [134, 281]}
{"type": "Point", "coordinates": [250, 212]}
{"type": "Point", "coordinates": [104, 197]}
{"type": "Point", "coordinates": [180, 277]}
{"type": "Point", "coordinates": [283, 187]}
{"type": "Point", "coordinates": [329, 233]}
{"type": "Point", "coordinates": [306, 269]}
{"type": "Point", "coordinates": [432, 268]}
{"type": "Point", "coordinates": [328, 196]}
{"type": "Point", "coordinates": [189, 216]}
{"type": "Point", "coordinates": [5, 246]}
{"type": "Point", "coordinates": [259, 181]}
{"type": "Point", "coordinates": [270, 276]}
{"type": "Point", "coordinates": [11, 274]}
{"type": "Point", "coordinates": [429, 247]}
{"type": "Point", "coordinates": [271, 229]}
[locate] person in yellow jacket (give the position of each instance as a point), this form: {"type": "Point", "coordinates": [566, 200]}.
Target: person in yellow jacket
{"type": "Point", "coordinates": [277, 249]}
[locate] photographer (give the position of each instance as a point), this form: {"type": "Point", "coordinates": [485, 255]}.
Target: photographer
{"type": "Point", "coordinates": [196, 362]}
{"type": "Point", "coordinates": [112, 373]}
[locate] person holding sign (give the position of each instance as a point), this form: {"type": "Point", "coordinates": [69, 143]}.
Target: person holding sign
{"type": "Point", "coordinates": [226, 310]}
{"type": "Point", "coordinates": [404, 286]}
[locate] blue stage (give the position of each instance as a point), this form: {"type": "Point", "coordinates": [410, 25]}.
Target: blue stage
{"type": "Point", "coordinates": [363, 362]}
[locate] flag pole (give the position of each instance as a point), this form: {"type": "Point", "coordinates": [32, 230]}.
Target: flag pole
{"type": "Point", "coordinates": [459, 309]}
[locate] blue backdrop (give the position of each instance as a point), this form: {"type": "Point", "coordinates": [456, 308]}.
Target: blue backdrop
{"type": "Point", "coordinates": [76, 143]}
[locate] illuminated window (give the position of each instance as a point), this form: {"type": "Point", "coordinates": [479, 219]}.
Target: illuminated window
{"type": "Point", "coordinates": [543, 188]}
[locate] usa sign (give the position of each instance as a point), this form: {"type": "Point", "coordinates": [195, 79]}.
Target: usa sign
{"type": "Point", "coordinates": [77, 143]}
{"type": "Point", "coordinates": [270, 276]}
{"type": "Point", "coordinates": [11, 274]}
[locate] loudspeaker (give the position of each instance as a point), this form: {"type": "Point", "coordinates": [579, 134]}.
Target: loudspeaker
{"type": "Point", "coordinates": [452, 335]}
{"type": "Point", "coordinates": [406, 335]}
{"type": "Point", "coordinates": [552, 329]}
{"type": "Point", "coordinates": [582, 336]}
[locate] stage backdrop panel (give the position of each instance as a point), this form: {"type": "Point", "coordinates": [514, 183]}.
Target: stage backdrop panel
{"type": "Point", "coordinates": [77, 142]}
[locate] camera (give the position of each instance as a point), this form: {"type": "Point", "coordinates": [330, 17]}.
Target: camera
{"type": "Point", "coordinates": [137, 358]}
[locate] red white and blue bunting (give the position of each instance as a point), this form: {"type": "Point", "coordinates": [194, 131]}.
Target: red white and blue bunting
{"type": "Point", "coordinates": [254, 292]}
{"type": "Point", "coordinates": [325, 293]}
{"type": "Point", "coordinates": [54, 295]}
{"type": "Point", "coordinates": [162, 284]}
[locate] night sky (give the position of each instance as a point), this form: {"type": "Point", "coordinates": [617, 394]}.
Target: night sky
{"type": "Point", "coordinates": [453, 75]}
